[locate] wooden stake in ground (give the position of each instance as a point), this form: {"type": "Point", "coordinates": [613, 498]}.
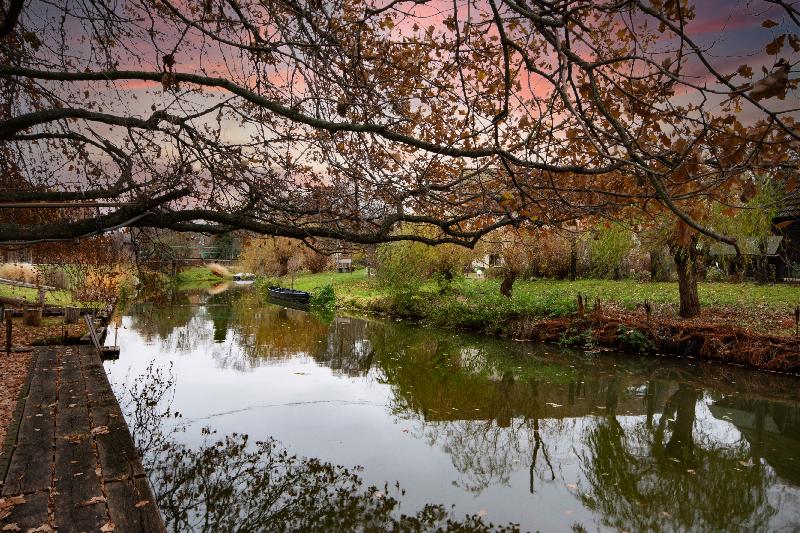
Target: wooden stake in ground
{"type": "Point", "coordinates": [8, 331]}
{"type": "Point", "coordinates": [32, 316]}
{"type": "Point", "coordinates": [71, 315]}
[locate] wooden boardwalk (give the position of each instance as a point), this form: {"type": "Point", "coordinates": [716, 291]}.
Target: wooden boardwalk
{"type": "Point", "coordinates": [74, 466]}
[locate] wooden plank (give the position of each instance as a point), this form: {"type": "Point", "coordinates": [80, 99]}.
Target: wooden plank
{"type": "Point", "coordinates": [88, 357]}
{"type": "Point", "coordinates": [72, 415]}
{"type": "Point", "coordinates": [110, 353]}
{"type": "Point", "coordinates": [29, 515]}
{"type": "Point", "coordinates": [123, 498]}
{"type": "Point", "coordinates": [78, 498]}
{"type": "Point", "coordinates": [30, 469]}
{"type": "Point", "coordinates": [92, 331]}
{"type": "Point", "coordinates": [118, 456]}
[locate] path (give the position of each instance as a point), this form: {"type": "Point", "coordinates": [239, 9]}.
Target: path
{"type": "Point", "coordinates": [74, 466]}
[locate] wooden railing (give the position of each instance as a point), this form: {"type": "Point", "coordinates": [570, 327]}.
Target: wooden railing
{"type": "Point", "coordinates": [21, 301]}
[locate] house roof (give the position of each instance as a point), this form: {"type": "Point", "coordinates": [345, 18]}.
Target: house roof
{"type": "Point", "coordinates": [748, 246]}
{"type": "Point", "coordinates": [790, 207]}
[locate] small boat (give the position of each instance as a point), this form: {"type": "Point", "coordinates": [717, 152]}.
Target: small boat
{"type": "Point", "coordinates": [282, 294]}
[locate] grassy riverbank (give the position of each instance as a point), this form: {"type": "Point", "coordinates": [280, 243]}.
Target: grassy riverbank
{"type": "Point", "coordinates": [200, 274]}
{"type": "Point", "coordinates": [471, 302]}
{"type": "Point", "coordinates": [743, 323]}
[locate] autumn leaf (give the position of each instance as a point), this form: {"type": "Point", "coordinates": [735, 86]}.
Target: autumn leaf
{"type": "Point", "coordinates": [774, 84]}
{"type": "Point", "coordinates": [794, 42]}
{"type": "Point", "coordinates": [92, 501]}
{"type": "Point", "coordinates": [100, 430]}
{"type": "Point", "coordinates": [745, 71]}
{"type": "Point", "coordinates": [748, 192]}
{"type": "Point", "coordinates": [769, 23]}
{"type": "Point", "coordinates": [141, 503]}
{"type": "Point", "coordinates": [44, 528]}
{"type": "Point", "coordinates": [775, 46]}
{"type": "Point", "coordinates": [108, 527]}
{"type": "Point", "coordinates": [6, 504]}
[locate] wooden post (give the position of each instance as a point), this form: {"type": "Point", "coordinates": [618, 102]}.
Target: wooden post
{"type": "Point", "coordinates": [9, 325]}
{"type": "Point", "coordinates": [71, 315]}
{"type": "Point", "coordinates": [32, 316]}
{"type": "Point", "coordinates": [797, 321]}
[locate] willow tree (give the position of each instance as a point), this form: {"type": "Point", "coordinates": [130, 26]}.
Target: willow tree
{"type": "Point", "coordinates": [359, 119]}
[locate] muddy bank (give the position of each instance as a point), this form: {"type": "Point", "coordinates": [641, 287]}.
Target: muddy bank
{"type": "Point", "coordinates": [632, 332]}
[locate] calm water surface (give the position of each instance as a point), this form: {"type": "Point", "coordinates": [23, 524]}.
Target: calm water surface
{"type": "Point", "coordinates": [242, 411]}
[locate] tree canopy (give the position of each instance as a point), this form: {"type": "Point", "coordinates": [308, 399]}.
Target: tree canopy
{"type": "Point", "coordinates": [359, 119]}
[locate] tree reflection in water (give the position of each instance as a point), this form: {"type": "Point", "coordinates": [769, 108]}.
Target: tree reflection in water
{"type": "Point", "coordinates": [232, 484]}
{"type": "Point", "coordinates": [672, 477]}
{"type": "Point", "coordinates": [647, 437]}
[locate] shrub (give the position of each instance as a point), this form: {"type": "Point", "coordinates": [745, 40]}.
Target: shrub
{"type": "Point", "coordinates": [577, 338]}
{"type": "Point", "coordinates": [402, 266]}
{"type": "Point", "coordinates": [274, 256]}
{"type": "Point", "coordinates": [316, 262]}
{"type": "Point", "coordinates": [262, 285]}
{"type": "Point", "coordinates": [324, 299]}
{"type": "Point", "coordinates": [714, 273]}
{"type": "Point", "coordinates": [633, 340]}
{"type": "Point", "coordinates": [607, 251]}
{"type": "Point", "coordinates": [550, 256]}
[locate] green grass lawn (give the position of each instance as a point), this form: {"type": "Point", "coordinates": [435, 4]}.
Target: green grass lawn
{"type": "Point", "coordinates": [195, 275]}
{"type": "Point", "coordinates": [59, 297]}
{"type": "Point", "coordinates": [563, 294]}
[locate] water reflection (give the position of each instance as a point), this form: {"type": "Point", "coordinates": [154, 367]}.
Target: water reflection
{"type": "Point", "coordinates": [231, 484]}
{"type": "Point", "coordinates": [549, 438]}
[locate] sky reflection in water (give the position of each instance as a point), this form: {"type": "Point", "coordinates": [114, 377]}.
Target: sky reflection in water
{"type": "Point", "coordinates": [550, 439]}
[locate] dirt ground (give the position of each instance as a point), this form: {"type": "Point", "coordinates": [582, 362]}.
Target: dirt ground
{"type": "Point", "coordinates": [13, 371]}
{"type": "Point", "coordinates": [52, 331]}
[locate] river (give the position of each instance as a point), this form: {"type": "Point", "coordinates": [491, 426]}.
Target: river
{"type": "Point", "coordinates": [258, 417]}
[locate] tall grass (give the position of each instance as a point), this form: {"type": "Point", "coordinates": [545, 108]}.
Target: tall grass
{"type": "Point", "coordinates": [24, 272]}
{"type": "Point", "coordinates": [219, 270]}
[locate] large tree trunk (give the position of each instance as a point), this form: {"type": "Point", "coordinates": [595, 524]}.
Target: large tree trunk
{"type": "Point", "coordinates": [686, 261]}
{"type": "Point", "coordinates": [508, 283]}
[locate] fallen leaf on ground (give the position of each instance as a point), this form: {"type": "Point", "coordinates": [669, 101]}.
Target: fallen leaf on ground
{"type": "Point", "coordinates": [11, 527]}
{"type": "Point", "coordinates": [8, 503]}
{"type": "Point", "coordinates": [100, 430]}
{"type": "Point", "coordinates": [109, 526]}
{"type": "Point", "coordinates": [141, 503]}
{"type": "Point", "coordinates": [44, 528]}
{"type": "Point", "coordinates": [94, 500]}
